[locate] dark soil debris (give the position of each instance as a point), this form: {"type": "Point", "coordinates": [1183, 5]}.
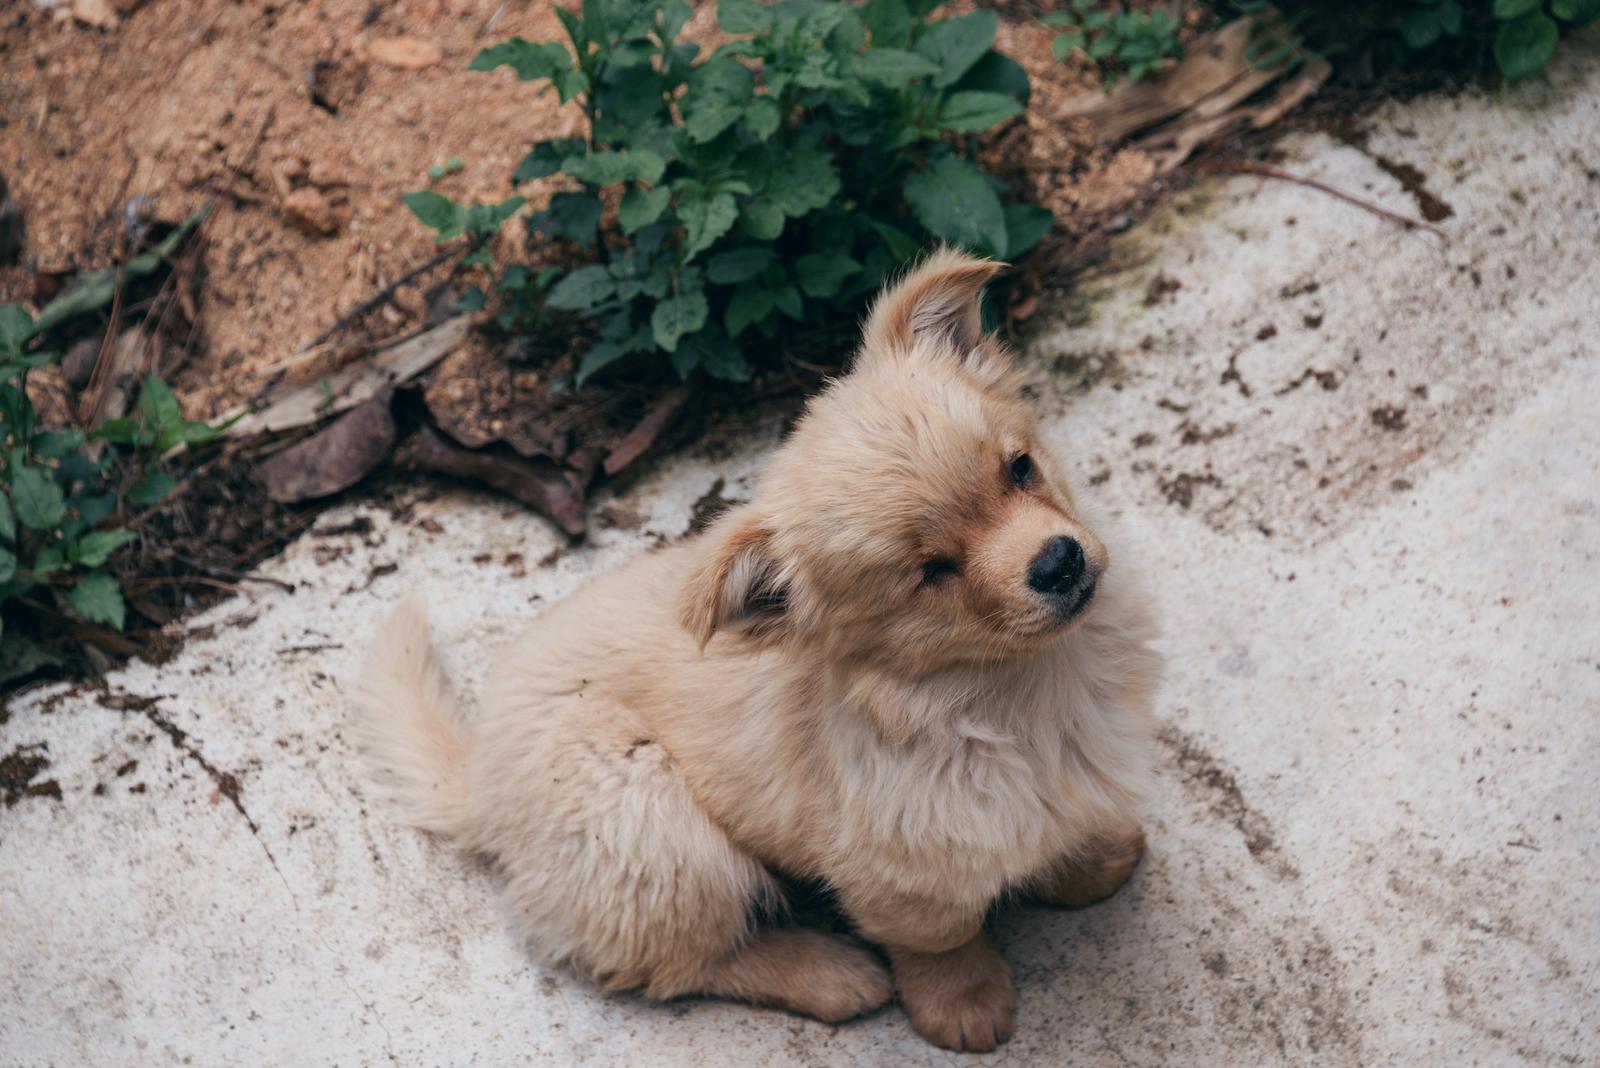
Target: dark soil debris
{"type": "Point", "coordinates": [1389, 418]}
{"type": "Point", "coordinates": [1179, 489]}
{"type": "Point", "coordinates": [18, 773]}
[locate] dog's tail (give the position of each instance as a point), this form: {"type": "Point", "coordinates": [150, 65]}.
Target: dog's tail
{"type": "Point", "coordinates": [409, 726]}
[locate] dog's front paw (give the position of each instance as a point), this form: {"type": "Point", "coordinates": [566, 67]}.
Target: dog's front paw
{"type": "Point", "coordinates": [961, 1000]}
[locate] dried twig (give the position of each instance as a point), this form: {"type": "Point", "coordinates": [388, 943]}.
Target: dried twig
{"type": "Point", "coordinates": [230, 573]}
{"type": "Point", "coordinates": [378, 298]}
{"type": "Point", "coordinates": [1322, 187]}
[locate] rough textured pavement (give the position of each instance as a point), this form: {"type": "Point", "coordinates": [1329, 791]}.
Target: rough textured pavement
{"type": "Point", "coordinates": [1361, 464]}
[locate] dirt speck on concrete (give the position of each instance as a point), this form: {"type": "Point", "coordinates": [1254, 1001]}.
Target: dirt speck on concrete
{"type": "Point", "coordinates": [1389, 418]}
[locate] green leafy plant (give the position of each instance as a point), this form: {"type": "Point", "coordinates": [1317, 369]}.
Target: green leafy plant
{"type": "Point", "coordinates": [1518, 37]}
{"type": "Point", "coordinates": [1120, 42]}
{"type": "Point", "coordinates": [782, 177]}
{"type": "Point", "coordinates": [62, 492]}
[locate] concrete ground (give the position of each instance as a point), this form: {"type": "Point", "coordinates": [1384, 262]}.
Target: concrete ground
{"type": "Point", "coordinates": [1361, 463]}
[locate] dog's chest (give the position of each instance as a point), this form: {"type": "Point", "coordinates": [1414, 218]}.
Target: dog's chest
{"type": "Point", "coordinates": [981, 802]}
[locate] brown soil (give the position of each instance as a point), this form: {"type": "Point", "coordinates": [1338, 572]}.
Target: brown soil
{"type": "Point", "coordinates": [186, 102]}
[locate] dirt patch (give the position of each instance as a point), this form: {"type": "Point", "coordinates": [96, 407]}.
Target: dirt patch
{"type": "Point", "coordinates": [708, 506]}
{"type": "Point", "coordinates": [1180, 488]}
{"type": "Point", "coordinates": [1414, 182]}
{"type": "Point", "coordinates": [19, 775]}
{"type": "Point", "coordinates": [1205, 776]}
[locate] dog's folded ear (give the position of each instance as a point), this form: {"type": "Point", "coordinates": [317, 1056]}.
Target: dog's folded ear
{"type": "Point", "coordinates": [938, 301]}
{"type": "Point", "coordinates": [742, 587]}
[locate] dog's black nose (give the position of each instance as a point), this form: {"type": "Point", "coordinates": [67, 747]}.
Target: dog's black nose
{"type": "Point", "coordinates": [1058, 567]}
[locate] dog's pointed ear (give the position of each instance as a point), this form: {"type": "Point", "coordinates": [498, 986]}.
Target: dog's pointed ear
{"type": "Point", "coordinates": [741, 588]}
{"type": "Point", "coordinates": [940, 300]}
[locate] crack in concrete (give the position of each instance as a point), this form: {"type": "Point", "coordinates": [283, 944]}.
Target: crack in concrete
{"type": "Point", "coordinates": [228, 786]}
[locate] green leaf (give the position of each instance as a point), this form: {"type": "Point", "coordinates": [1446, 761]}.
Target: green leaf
{"type": "Point", "coordinates": [8, 522]}
{"type": "Point", "coordinates": [761, 118]}
{"type": "Point", "coordinates": [98, 599]}
{"type": "Point", "coordinates": [124, 431]}
{"type": "Point", "coordinates": [738, 265]}
{"type": "Point", "coordinates": [743, 16]}
{"type": "Point", "coordinates": [1420, 27]}
{"type": "Point", "coordinates": [786, 298]}
{"type": "Point", "coordinates": [472, 300]}
{"type": "Point", "coordinates": [95, 508]}
{"type": "Point", "coordinates": [583, 289]}
{"type": "Point", "coordinates": [531, 60]}
{"type": "Point", "coordinates": [705, 218]}
{"type": "Point", "coordinates": [38, 500]}
{"type": "Point", "coordinates": [54, 444]}
{"type": "Point", "coordinates": [1026, 225]}
{"type": "Point", "coordinates": [710, 351]}
{"type": "Point", "coordinates": [571, 215]}
{"type": "Point", "coordinates": [900, 244]}
{"type": "Point", "coordinates": [1525, 45]}
{"type": "Point", "coordinates": [995, 73]}
{"type": "Point", "coordinates": [152, 488]}
{"type": "Point", "coordinates": [1583, 12]}
{"type": "Point", "coordinates": [719, 91]}
{"type": "Point", "coordinates": [94, 548]}
{"type": "Point", "coordinates": [821, 275]}
{"type": "Point", "coordinates": [437, 212]}
{"type": "Point", "coordinates": [8, 565]}
{"type": "Point", "coordinates": [484, 219]}
{"type": "Point", "coordinates": [890, 23]}
{"type": "Point", "coordinates": [955, 202]}
{"type": "Point", "coordinates": [601, 354]}
{"type": "Point", "coordinates": [974, 112]}
{"type": "Point", "coordinates": [545, 158]}
{"type": "Point", "coordinates": [1506, 10]}
{"type": "Point", "coordinates": [954, 45]}
{"type": "Point", "coordinates": [894, 67]}
{"type": "Point", "coordinates": [761, 219]}
{"type": "Point", "coordinates": [640, 208]}
{"type": "Point", "coordinates": [750, 304]}
{"type": "Point", "coordinates": [158, 407]}
{"type": "Point", "coordinates": [804, 181]}
{"type": "Point", "coordinates": [16, 327]}
{"type": "Point", "coordinates": [726, 363]}
{"type": "Point", "coordinates": [678, 315]}
{"type": "Point", "coordinates": [609, 168]}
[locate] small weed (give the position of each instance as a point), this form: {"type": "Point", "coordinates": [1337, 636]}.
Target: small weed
{"type": "Point", "coordinates": [63, 493]}
{"type": "Point", "coordinates": [1120, 42]}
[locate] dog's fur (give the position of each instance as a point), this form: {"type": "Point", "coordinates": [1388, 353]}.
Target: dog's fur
{"type": "Point", "coordinates": [848, 679]}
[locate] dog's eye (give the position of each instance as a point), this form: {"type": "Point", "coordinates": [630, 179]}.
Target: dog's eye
{"type": "Point", "coordinates": [1022, 470]}
{"type": "Point", "coordinates": [938, 569]}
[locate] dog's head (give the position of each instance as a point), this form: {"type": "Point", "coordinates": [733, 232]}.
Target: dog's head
{"type": "Point", "coordinates": [912, 517]}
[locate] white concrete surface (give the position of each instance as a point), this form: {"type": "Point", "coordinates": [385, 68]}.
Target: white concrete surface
{"type": "Point", "coordinates": [1375, 839]}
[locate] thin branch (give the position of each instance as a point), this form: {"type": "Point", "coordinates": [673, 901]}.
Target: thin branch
{"type": "Point", "coordinates": [1322, 187]}
{"type": "Point", "coordinates": [380, 297]}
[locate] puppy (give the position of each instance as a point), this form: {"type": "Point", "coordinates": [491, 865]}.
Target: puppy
{"type": "Point", "coordinates": [906, 669]}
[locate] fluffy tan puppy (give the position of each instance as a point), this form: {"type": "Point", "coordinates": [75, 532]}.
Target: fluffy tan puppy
{"type": "Point", "coordinates": [907, 669]}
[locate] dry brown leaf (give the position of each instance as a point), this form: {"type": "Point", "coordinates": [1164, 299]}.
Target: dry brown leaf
{"type": "Point", "coordinates": [335, 457]}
